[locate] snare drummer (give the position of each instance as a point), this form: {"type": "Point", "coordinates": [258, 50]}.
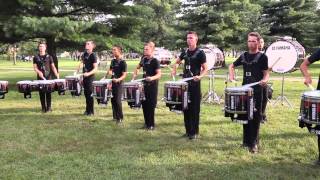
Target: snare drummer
{"type": "Point", "coordinates": [255, 66]}
{"type": "Point", "coordinates": [194, 66]}
{"type": "Point", "coordinates": [118, 72]}
{"type": "Point", "coordinates": [152, 73]}
{"type": "Point", "coordinates": [89, 67]}
{"type": "Point", "coordinates": [44, 66]}
{"type": "Point", "coordinates": [308, 81]}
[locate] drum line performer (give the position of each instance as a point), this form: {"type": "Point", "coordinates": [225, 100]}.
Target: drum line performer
{"type": "Point", "coordinates": [255, 66]}
{"type": "Point", "coordinates": [194, 66]}
{"type": "Point", "coordinates": [308, 81]}
{"type": "Point", "coordinates": [118, 72]}
{"type": "Point", "coordinates": [89, 67]}
{"type": "Point", "coordinates": [152, 74]}
{"type": "Point", "coordinates": [45, 69]}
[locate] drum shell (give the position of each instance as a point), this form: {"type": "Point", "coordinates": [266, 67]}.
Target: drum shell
{"type": "Point", "coordinates": [239, 102]}
{"type": "Point", "coordinates": [176, 95]}
{"type": "Point", "coordinates": [46, 86]}
{"type": "Point", "coordinates": [133, 93]}
{"type": "Point", "coordinates": [73, 85]}
{"type": "Point", "coordinates": [24, 86]}
{"type": "Point", "coordinates": [4, 87]}
{"type": "Point", "coordinates": [310, 108]}
{"type": "Point", "coordinates": [60, 85]}
{"type": "Point", "coordinates": [100, 89]}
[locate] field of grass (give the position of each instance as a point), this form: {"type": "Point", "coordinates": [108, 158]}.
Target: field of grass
{"type": "Point", "coordinates": [64, 144]}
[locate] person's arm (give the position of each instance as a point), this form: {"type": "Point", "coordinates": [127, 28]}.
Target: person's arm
{"type": "Point", "coordinates": [156, 76]}
{"type": "Point", "coordinates": [93, 71]}
{"type": "Point", "coordinates": [305, 72]}
{"type": "Point", "coordinates": [54, 69]}
{"type": "Point", "coordinates": [231, 72]}
{"type": "Point", "coordinates": [79, 67]}
{"type": "Point", "coordinates": [204, 70]}
{"type": "Point", "coordinates": [175, 66]}
{"type": "Point", "coordinates": [136, 72]}
{"type": "Point", "coordinates": [265, 79]}
{"type": "Point", "coordinates": [39, 73]}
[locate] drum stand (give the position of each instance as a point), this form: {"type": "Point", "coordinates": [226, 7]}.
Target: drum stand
{"type": "Point", "coordinates": [282, 98]}
{"type": "Point", "coordinates": [211, 96]}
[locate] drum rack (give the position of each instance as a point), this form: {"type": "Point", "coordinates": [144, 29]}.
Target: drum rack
{"type": "Point", "coordinates": [211, 96]}
{"type": "Point", "coordinates": [282, 98]}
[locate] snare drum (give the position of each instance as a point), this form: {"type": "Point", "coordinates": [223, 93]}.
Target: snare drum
{"type": "Point", "coordinates": [60, 86]}
{"type": "Point", "coordinates": [239, 104]}
{"type": "Point", "coordinates": [310, 108]}
{"type": "Point", "coordinates": [176, 95]}
{"type": "Point", "coordinates": [288, 52]}
{"type": "Point", "coordinates": [133, 93]}
{"type": "Point", "coordinates": [25, 88]}
{"type": "Point", "coordinates": [101, 90]}
{"type": "Point", "coordinates": [34, 85]}
{"type": "Point", "coordinates": [3, 89]}
{"type": "Point", "coordinates": [73, 85]}
{"type": "Point", "coordinates": [46, 86]}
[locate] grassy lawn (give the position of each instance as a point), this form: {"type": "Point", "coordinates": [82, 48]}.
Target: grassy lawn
{"type": "Point", "coordinates": [64, 144]}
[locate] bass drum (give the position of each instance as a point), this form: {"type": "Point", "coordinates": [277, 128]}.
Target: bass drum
{"type": "Point", "coordinates": [285, 55]}
{"type": "Point", "coordinates": [215, 58]}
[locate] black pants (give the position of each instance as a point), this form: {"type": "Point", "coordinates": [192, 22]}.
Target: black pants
{"type": "Point", "coordinates": [264, 101]}
{"type": "Point", "coordinates": [192, 114]}
{"type": "Point", "coordinates": [251, 130]}
{"type": "Point", "coordinates": [45, 99]}
{"type": "Point", "coordinates": [87, 85]}
{"type": "Point", "coordinates": [149, 105]}
{"type": "Point", "coordinates": [116, 101]}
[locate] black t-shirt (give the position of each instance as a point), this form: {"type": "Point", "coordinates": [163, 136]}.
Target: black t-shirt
{"type": "Point", "coordinates": [150, 66]}
{"type": "Point", "coordinates": [192, 62]}
{"type": "Point", "coordinates": [253, 66]}
{"type": "Point", "coordinates": [44, 65]}
{"type": "Point", "coordinates": [88, 61]}
{"type": "Point", "coordinates": [118, 67]}
{"type": "Point", "coordinates": [314, 57]}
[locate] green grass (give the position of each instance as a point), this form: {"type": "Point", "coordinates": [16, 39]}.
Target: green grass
{"type": "Point", "coordinates": [64, 144]}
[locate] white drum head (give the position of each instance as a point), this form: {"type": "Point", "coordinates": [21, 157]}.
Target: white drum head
{"type": "Point", "coordinates": [210, 56]}
{"type": "Point", "coordinates": [285, 52]}
{"type": "Point", "coordinates": [312, 94]}
{"type": "Point", "coordinates": [24, 82]}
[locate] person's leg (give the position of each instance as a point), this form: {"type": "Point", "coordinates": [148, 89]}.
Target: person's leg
{"type": "Point", "coordinates": [43, 101]}
{"type": "Point", "coordinates": [48, 99]}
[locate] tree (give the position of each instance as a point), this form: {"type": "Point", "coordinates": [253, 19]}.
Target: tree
{"type": "Point", "coordinates": [298, 19]}
{"type": "Point", "coordinates": [225, 23]}
{"type": "Point", "coordinates": [68, 23]}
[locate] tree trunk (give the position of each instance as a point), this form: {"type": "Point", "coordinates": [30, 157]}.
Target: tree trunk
{"type": "Point", "coordinates": [52, 50]}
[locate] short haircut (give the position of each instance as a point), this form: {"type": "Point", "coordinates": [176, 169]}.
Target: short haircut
{"type": "Point", "coordinates": [255, 34]}
{"type": "Point", "coordinates": [118, 47]}
{"type": "Point", "coordinates": [92, 42]}
{"type": "Point", "coordinates": [193, 32]}
{"type": "Point", "coordinates": [150, 44]}
{"type": "Point", "coordinates": [42, 42]}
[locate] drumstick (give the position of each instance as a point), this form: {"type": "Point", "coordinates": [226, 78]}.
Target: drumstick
{"type": "Point", "coordinates": [138, 80]}
{"type": "Point", "coordinates": [311, 87]}
{"type": "Point", "coordinates": [252, 84]}
{"type": "Point", "coordinates": [275, 63]}
{"type": "Point", "coordinates": [186, 79]}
